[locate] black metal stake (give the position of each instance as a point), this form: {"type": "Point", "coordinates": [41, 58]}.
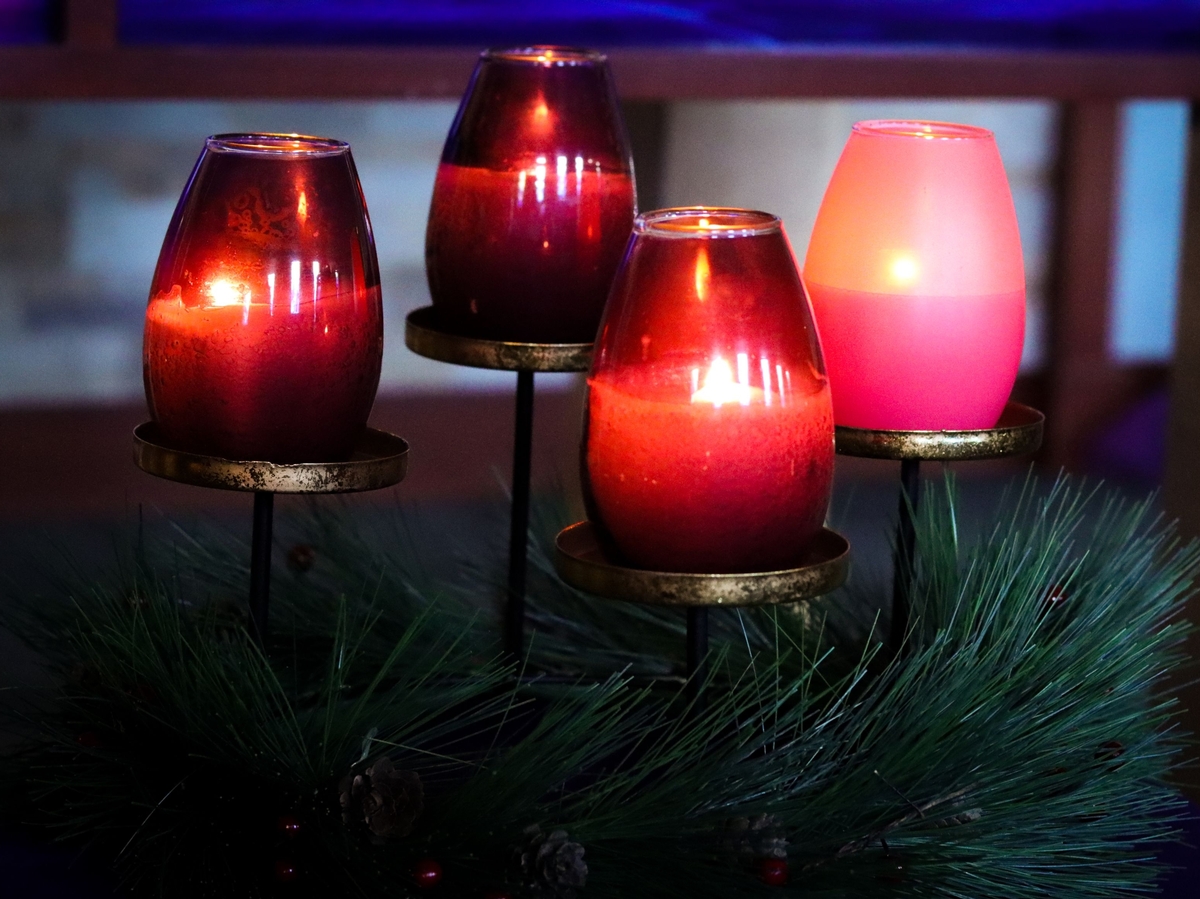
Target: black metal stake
{"type": "Point", "coordinates": [518, 535]}
{"type": "Point", "coordinates": [260, 563]}
{"type": "Point", "coordinates": [697, 655]}
{"type": "Point", "coordinates": [906, 549]}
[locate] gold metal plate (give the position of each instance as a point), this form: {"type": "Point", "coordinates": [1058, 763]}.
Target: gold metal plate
{"type": "Point", "coordinates": [380, 460]}
{"type": "Point", "coordinates": [423, 337]}
{"type": "Point", "coordinates": [582, 562]}
{"type": "Point", "coordinates": [1019, 431]}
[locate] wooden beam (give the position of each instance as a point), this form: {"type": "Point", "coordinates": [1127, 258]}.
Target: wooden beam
{"type": "Point", "coordinates": [90, 24]}
{"type": "Point", "coordinates": [1181, 490]}
{"type": "Point", "coordinates": [44, 478]}
{"type": "Point", "coordinates": [1084, 386]}
{"type": "Point", "coordinates": [1183, 437]}
{"type": "Point", "coordinates": [87, 70]}
{"type": "Point", "coordinates": [647, 126]}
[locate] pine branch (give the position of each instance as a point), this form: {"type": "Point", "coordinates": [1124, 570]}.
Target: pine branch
{"type": "Point", "coordinates": [1018, 746]}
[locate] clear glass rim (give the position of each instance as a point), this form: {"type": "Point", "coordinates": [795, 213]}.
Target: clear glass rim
{"type": "Point", "coordinates": [706, 222]}
{"type": "Point", "coordinates": [915, 128]}
{"type": "Point", "coordinates": [274, 145]}
{"type": "Point", "coordinates": [546, 55]}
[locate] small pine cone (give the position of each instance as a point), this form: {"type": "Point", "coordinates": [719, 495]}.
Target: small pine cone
{"type": "Point", "coordinates": [85, 676]}
{"type": "Point", "coordinates": [136, 599]}
{"type": "Point", "coordinates": [301, 557]}
{"type": "Point", "coordinates": [552, 867]}
{"type": "Point", "coordinates": [229, 618]}
{"type": "Point", "coordinates": [761, 836]}
{"type": "Point", "coordinates": [384, 798]}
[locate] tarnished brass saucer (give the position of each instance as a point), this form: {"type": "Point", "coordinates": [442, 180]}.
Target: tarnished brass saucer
{"type": "Point", "coordinates": [380, 460]}
{"type": "Point", "coordinates": [423, 336]}
{"type": "Point", "coordinates": [581, 562]}
{"type": "Point", "coordinates": [1019, 431]}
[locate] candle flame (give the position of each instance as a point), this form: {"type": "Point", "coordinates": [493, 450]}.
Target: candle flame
{"type": "Point", "coordinates": [703, 274]}
{"type": "Point", "coordinates": [720, 387]}
{"type": "Point", "coordinates": [541, 114]}
{"type": "Point", "coordinates": [302, 208]}
{"type": "Point", "coordinates": [224, 293]}
{"type": "Point", "coordinates": [904, 270]}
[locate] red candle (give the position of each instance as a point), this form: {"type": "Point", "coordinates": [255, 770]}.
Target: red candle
{"type": "Point", "coordinates": [247, 381]}
{"type": "Point", "coordinates": [528, 253]}
{"type": "Point", "coordinates": [533, 201]}
{"type": "Point", "coordinates": [709, 431]}
{"type": "Point", "coordinates": [264, 330]}
{"type": "Point", "coordinates": [917, 280]}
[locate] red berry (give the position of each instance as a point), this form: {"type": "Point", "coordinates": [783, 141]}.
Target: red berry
{"type": "Point", "coordinates": [145, 693]}
{"type": "Point", "coordinates": [288, 824]}
{"type": "Point", "coordinates": [427, 873]}
{"type": "Point", "coordinates": [301, 557]}
{"type": "Point", "coordinates": [285, 870]}
{"type": "Point", "coordinates": [89, 740]}
{"type": "Point", "coordinates": [773, 871]}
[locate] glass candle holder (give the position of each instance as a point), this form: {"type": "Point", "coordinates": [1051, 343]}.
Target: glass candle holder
{"type": "Point", "coordinates": [534, 199]}
{"type": "Point", "coordinates": [264, 330]}
{"type": "Point", "coordinates": [708, 444]}
{"type": "Point", "coordinates": [917, 280]}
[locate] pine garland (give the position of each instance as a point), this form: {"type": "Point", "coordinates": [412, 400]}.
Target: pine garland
{"type": "Point", "coordinates": [1017, 747]}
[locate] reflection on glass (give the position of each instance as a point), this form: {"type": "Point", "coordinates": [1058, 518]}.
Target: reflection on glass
{"type": "Point", "coordinates": [709, 433]}
{"type": "Point", "coordinates": [533, 201]}
{"type": "Point", "coordinates": [917, 279]}
{"type": "Point", "coordinates": [264, 330]}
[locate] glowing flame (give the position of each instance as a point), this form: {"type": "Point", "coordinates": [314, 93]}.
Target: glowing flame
{"type": "Point", "coordinates": [540, 116]}
{"type": "Point", "coordinates": [720, 387]}
{"type": "Point", "coordinates": [703, 274]}
{"type": "Point", "coordinates": [302, 208]}
{"type": "Point", "coordinates": [224, 293]}
{"type": "Point", "coordinates": [904, 270]}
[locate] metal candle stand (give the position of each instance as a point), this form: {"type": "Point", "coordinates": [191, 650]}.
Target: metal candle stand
{"type": "Point", "coordinates": [584, 562]}
{"type": "Point", "coordinates": [424, 335]}
{"type": "Point", "coordinates": [580, 560]}
{"type": "Point", "coordinates": [379, 460]}
{"type": "Point", "coordinates": [1018, 432]}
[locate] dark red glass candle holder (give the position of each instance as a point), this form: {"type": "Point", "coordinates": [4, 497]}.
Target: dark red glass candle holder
{"type": "Point", "coordinates": [534, 199]}
{"type": "Point", "coordinates": [708, 444]}
{"type": "Point", "coordinates": [264, 331]}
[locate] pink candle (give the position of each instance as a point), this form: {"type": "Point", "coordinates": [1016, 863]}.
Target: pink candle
{"type": "Point", "coordinates": [917, 280]}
